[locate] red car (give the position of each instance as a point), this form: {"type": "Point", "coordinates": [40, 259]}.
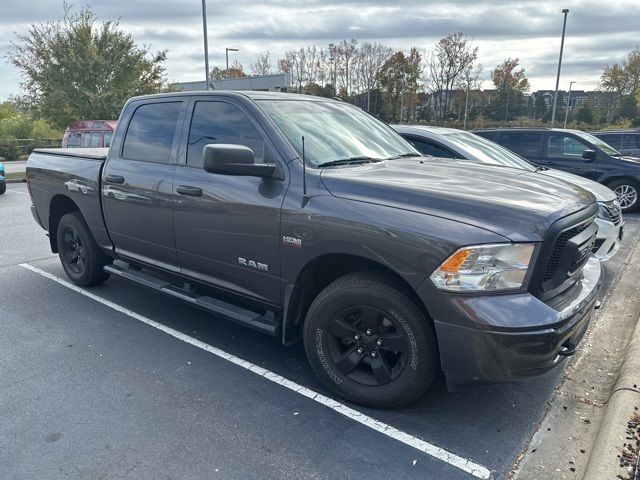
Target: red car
{"type": "Point", "coordinates": [89, 134]}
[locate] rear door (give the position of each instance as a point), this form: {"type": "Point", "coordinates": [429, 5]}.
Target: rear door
{"type": "Point", "coordinates": [525, 144]}
{"type": "Point", "coordinates": [564, 151]}
{"type": "Point", "coordinates": [227, 228]}
{"type": "Point", "coordinates": [137, 183]}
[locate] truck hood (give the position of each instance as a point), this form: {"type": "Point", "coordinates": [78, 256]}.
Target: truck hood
{"type": "Point", "coordinates": [602, 193]}
{"type": "Point", "coordinates": [516, 204]}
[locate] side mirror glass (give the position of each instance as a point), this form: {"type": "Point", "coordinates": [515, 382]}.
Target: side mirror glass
{"type": "Point", "coordinates": [589, 155]}
{"type": "Point", "coordinates": [227, 159]}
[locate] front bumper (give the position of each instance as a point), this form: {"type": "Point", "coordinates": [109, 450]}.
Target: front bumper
{"type": "Point", "coordinates": [607, 239]}
{"type": "Point", "coordinates": [493, 338]}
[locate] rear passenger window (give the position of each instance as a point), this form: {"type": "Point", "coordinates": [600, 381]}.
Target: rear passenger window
{"type": "Point", "coordinates": [525, 144]}
{"type": "Point", "coordinates": [151, 132]}
{"type": "Point", "coordinates": [565, 146]}
{"type": "Point", "coordinates": [107, 139]}
{"type": "Point", "coordinates": [74, 140]}
{"type": "Point", "coordinates": [431, 149]}
{"type": "Point", "coordinates": [220, 122]}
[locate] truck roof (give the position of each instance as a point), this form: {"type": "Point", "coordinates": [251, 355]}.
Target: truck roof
{"type": "Point", "coordinates": [251, 94]}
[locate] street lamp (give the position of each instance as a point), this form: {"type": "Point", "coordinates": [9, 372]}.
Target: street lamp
{"type": "Point", "coordinates": [566, 112]}
{"type": "Point", "coordinates": [206, 44]}
{"type": "Point", "coordinates": [555, 97]}
{"type": "Point", "coordinates": [226, 52]}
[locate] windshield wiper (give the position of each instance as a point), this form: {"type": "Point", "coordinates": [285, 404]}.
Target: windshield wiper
{"type": "Point", "coordinates": [350, 161]}
{"type": "Point", "coordinates": [405, 155]}
{"type": "Point", "coordinates": [541, 169]}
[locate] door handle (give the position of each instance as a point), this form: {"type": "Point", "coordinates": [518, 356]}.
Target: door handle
{"type": "Point", "coordinates": [189, 191]}
{"type": "Point", "coordinates": [114, 179]}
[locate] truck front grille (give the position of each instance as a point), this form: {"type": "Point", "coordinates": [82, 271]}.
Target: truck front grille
{"type": "Point", "coordinates": [565, 250]}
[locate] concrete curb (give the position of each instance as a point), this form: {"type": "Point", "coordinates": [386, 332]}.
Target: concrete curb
{"type": "Point", "coordinates": [624, 399]}
{"type": "Point", "coordinates": [16, 180]}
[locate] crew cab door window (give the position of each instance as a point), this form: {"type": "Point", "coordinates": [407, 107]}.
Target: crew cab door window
{"type": "Point", "coordinates": [525, 144]}
{"type": "Point", "coordinates": [221, 122]}
{"type": "Point", "coordinates": [431, 148]}
{"type": "Point", "coordinates": [151, 132]}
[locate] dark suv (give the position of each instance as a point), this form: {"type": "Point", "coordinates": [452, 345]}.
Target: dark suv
{"type": "Point", "coordinates": [625, 141]}
{"type": "Point", "coordinates": [575, 152]}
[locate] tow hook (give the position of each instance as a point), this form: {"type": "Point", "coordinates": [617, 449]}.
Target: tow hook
{"type": "Point", "coordinates": [568, 349]}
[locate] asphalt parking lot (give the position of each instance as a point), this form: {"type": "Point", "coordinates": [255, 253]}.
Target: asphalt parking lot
{"type": "Point", "coordinates": [121, 384]}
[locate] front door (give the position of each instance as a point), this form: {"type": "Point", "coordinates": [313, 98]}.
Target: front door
{"type": "Point", "coordinates": [138, 185]}
{"type": "Point", "coordinates": [227, 228]}
{"type": "Point", "coordinates": [565, 152]}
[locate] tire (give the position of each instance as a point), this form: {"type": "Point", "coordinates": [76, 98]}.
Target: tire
{"type": "Point", "coordinates": [79, 254]}
{"type": "Point", "coordinates": [3, 187]}
{"type": "Point", "coordinates": [367, 312]}
{"type": "Point", "coordinates": [628, 193]}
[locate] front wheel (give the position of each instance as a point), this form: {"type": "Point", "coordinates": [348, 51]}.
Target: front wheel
{"type": "Point", "coordinates": [3, 187]}
{"type": "Point", "coordinates": [627, 192]}
{"type": "Point", "coordinates": [369, 342]}
{"type": "Point", "coordinates": [80, 256]}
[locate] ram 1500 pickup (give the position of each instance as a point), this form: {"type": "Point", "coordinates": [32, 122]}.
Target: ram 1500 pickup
{"type": "Point", "coordinates": [308, 218]}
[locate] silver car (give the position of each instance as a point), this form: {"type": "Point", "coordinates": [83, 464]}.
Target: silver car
{"type": "Point", "coordinates": [452, 143]}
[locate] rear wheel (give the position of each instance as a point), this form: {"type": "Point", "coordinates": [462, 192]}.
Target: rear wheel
{"type": "Point", "coordinates": [369, 342]}
{"type": "Point", "coordinates": [79, 254]}
{"type": "Point", "coordinates": [627, 192]}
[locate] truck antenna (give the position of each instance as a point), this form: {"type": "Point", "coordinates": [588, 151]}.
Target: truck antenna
{"type": "Point", "coordinates": [305, 196]}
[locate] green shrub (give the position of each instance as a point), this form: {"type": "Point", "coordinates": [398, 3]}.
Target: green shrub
{"type": "Point", "coordinates": [9, 148]}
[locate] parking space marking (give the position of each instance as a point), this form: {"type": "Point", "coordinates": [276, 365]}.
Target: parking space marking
{"type": "Point", "coordinates": [12, 190]}
{"type": "Point", "coordinates": [452, 459]}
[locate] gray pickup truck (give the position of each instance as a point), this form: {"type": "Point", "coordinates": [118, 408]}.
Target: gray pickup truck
{"type": "Point", "coordinates": [308, 218]}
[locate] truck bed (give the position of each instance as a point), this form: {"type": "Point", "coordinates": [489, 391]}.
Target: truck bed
{"type": "Point", "coordinates": [93, 153]}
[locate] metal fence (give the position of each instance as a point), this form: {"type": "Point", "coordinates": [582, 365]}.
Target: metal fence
{"type": "Point", "coordinates": [26, 145]}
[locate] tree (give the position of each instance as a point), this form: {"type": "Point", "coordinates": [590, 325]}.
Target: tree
{"type": "Point", "coordinates": [585, 115]}
{"type": "Point", "coordinates": [236, 70]}
{"type": "Point", "coordinates": [371, 58]}
{"type": "Point", "coordinates": [511, 84]}
{"type": "Point", "coordinates": [73, 69]}
{"type": "Point", "coordinates": [539, 107]}
{"type": "Point", "coordinates": [624, 80]}
{"type": "Point", "coordinates": [399, 80]}
{"type": "Point", "coordinates": [451, 60]}
{"type": "Point", "coordinates": [262, 65]}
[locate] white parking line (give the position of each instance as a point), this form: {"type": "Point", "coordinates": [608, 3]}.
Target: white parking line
{"type": "Point", "coordinates": [452, 459]}
{"type": "Point", "coordinates": [15, 191]}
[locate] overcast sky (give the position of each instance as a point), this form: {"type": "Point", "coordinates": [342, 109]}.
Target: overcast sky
{"type": "Point", "coordinates": [598, 32]}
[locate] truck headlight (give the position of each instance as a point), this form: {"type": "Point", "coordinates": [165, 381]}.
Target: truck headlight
{"type": "Point", "coordinates": [485, 268]}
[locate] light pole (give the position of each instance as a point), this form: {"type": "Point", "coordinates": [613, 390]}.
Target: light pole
{"type": "Point", "coordinates": [555, 96]}
{"type": "Point", "coordinates": [566, 112]}
{"type": "Point", "coordinates": [226, 53]}
{"type": "Point", "coordinates": [206, 44]}
{"type": "Point", "coordinates": [466, 104]}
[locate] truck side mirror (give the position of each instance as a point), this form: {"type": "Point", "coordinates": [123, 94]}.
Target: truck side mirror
{"type": "Point", "coordinates": [226, 159]}
{"type": "Point", "coordinates": [589, 154]}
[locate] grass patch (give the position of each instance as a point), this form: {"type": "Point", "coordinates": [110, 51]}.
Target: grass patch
{"type": "Point", "coordinates": [16, 176]}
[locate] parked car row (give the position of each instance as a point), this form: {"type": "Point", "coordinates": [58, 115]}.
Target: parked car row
{"type": "Point", "coordinates": [458, 144]}
{"type": "Point", "coordinates": [308, 219]}
{"type": "Point", "coordinates": [575, 152]}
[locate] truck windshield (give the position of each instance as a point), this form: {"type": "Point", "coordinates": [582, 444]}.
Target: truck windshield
{"type": "Point", "coordinates": [335, 133]}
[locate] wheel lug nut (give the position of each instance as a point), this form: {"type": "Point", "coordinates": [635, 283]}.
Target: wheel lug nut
{"type": "Point", "coordinates": [373, 354]}
{"type": "Point", "coordinates": [359, 350]}
{"type": "Point", "coordinates": [368, 332]}
{"type": "Point", "coordinates": [378, 342]}
{"type": "Point", "coordinates": [356, 337]}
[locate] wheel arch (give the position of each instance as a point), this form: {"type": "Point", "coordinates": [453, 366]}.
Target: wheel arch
{"type": "Point", "coordinates": [59, 206]}
{"type": "Point", "coordinates": [320, 272]}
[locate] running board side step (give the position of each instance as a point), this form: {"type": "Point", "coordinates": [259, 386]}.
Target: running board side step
{"type": "Point", "coordinates": [265, 322]}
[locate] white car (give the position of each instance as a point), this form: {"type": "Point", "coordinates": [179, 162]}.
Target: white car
{"type": "Point", "coordinates": [452, 143]}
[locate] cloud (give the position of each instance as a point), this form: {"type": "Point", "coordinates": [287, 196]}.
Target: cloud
{"type": "Point", "coordinates": [527, 29]}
